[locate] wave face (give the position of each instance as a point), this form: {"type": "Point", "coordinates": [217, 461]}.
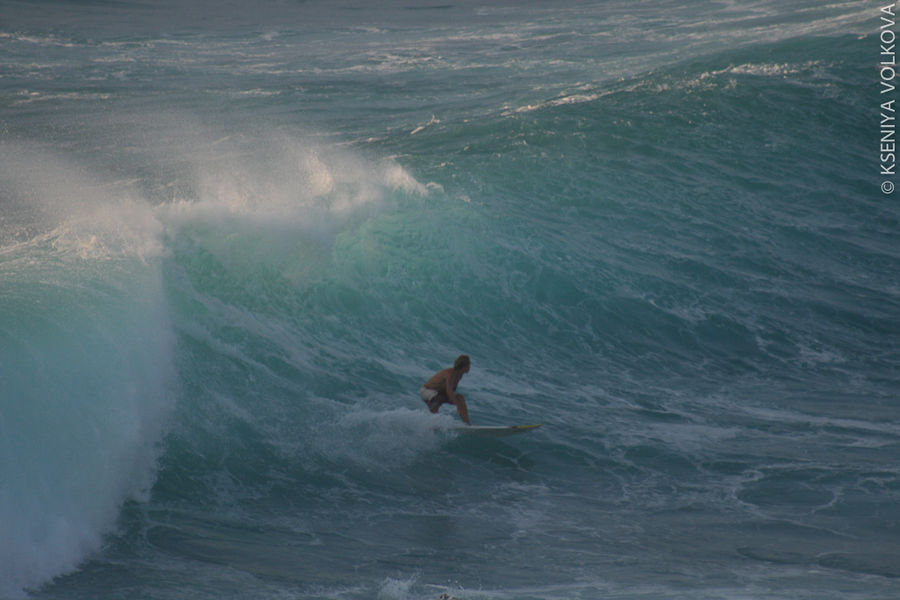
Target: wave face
{"type": "Point", "coordinates": [232, 250]}
{"type": "Point", "coordinates": [87, 364]}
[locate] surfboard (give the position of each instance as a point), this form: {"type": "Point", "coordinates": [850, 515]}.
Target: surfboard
{"type": "Point", "coordinates": [494, 430]}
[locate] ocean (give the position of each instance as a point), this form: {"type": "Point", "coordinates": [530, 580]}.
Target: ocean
{"type": "Point", "coordinates": [235, 239]}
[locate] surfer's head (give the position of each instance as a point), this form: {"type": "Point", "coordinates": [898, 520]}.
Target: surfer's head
{"type": "Point", "coordinates": [462, 363]}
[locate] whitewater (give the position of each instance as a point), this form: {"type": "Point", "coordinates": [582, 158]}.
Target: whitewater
{"type": "Point", "coordinates": [236, 239]}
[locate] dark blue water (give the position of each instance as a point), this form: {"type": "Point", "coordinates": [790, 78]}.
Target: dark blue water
{"type": "Point", "coordinates": [235, 240]}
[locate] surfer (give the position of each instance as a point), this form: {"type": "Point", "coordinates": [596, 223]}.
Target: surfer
{"type": "Point", "coordinates": [441, 388]}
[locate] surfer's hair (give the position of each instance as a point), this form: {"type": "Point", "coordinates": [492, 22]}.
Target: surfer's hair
{"type": "Point", "coordinates": [461, 362]}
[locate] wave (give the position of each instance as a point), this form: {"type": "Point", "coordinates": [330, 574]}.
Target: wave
{"type": "Point", "coordinates": [106, 294]}
{"type": "Point", "coordinates": [87, 362]}
{"type": "Point", "coordinates": [291, 295]}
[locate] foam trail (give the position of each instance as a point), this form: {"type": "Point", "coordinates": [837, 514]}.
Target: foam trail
{"type": "Point", "coordinates": [85, 351]}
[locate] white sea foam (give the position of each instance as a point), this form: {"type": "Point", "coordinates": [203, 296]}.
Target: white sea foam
{"type": "Point", "coordinates": [383, 440]}
{"type": "Point", "coordinates": [28, 97]}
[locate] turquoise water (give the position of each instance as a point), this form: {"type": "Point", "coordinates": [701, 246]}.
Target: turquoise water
{"type": "Point", "coordinates": [233, 244]}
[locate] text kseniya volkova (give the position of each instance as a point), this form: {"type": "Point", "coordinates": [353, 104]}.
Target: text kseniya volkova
{"type": "Point", "coordinates": [888, 71]}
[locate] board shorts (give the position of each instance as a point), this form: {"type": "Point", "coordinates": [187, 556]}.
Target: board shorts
{"type": "Point", "coordinates": [433, 398]}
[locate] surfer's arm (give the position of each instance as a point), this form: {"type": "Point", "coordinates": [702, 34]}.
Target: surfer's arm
{"type": "Point", "coordinates": [462, 409]}
{"type": "Point", "coordinates": [458, 400]}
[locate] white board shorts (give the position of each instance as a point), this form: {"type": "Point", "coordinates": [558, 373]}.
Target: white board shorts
{"type": "Point", "coordinates": [429, 396]}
